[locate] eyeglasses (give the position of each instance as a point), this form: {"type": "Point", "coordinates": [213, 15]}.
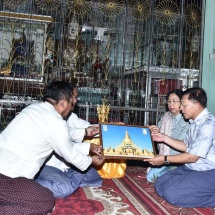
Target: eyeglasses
{"type": "Point", "coordinates": [189, 103]}
{"type": "Point", "coordinates": [172, 101]}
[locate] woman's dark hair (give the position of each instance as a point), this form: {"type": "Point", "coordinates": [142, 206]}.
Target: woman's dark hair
{"type": "Point", "coordinates": [58, 90]}
{"type": "Point", "coordinates": [197, 94]}
{"type": "Point", "coordinates": [178, 92]}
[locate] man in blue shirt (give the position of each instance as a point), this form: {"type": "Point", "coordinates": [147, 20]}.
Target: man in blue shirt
{"type": "Point", "coordinates": [193, 184]}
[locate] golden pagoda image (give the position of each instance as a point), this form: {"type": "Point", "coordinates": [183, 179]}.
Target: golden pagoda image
{"type": "Point", "coordinates": [128, 148]}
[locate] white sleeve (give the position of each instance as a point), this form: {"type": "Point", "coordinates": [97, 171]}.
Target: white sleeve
{"type": "Point", "coordinates": [77, 135]}
{"type": "Point", "coordinates": [75, 122]}
{"type": "Point", "coordinates": [55, 162]}
{"type": "Point", "coordinates": [77, 128]}
{"type": "Point", "coordinates": [61, 143]}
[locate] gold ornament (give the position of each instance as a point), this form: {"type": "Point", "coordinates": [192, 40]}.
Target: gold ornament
{"type": "Point", "coordinates": [111, 8]}
{"type": "Point", "coordinates": [50, 43]}
{"type": "Point", "coordinates": [15, 3]}
{"type": "Point", "coordinates": [193, 16]}
{"type": "Point", "coordinates": [6, 70]}
{"type": "Point", "coordinates": [79, 7]}
{"type": "Point", "coordinates": [49, 5]}
{"type": "Point", "coordinates": [139, 9]}
{"type": "Point", "coordinates": [70, 55]}
{"type": "Point", "coordinates": [167, 12]}
{"type": "Point", "coordinates": [103, 111]}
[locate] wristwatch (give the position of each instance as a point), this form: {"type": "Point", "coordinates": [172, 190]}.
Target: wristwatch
{"type": "Point", "coordinates": [165, 160]}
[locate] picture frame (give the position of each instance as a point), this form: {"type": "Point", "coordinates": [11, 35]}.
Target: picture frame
{"type": "Point", "coordinates": [126, 141]}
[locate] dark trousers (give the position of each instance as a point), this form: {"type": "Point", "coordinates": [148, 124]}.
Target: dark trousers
{"type": "Point", "coordinates": [187, 188]}
{"type": "Point", "coordinates": [24, 196]}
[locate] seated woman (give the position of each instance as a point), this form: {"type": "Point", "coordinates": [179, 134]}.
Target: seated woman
{"type": "Point", "coordinates": [172, 124]}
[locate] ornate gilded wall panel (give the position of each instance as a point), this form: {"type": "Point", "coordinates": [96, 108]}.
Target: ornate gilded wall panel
{"type": "Point", "coordinates": [129, 52]}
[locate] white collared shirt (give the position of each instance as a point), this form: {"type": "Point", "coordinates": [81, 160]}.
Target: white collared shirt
{"type": "Point", "coordinates": [32, 136]}
{"type": "Point", "coordinates": [77, 132]}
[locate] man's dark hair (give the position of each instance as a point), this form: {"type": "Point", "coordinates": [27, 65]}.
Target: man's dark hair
{"type": "Point", "coordinates": [58, 90]}
{"type": "Point", "coordinates": [197, 94]}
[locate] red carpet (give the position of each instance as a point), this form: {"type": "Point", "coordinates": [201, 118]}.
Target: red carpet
{"type": "Point", "coordinates": [130, 195]}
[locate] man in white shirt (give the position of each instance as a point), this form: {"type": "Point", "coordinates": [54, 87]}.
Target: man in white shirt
{"type": "Point", "coordinates": [29, 140]}
{"type": "Point", "coordinates": [64, 179]}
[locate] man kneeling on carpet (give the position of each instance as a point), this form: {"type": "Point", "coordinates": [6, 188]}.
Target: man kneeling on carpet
{"type": "Point", "coordinates": [62, 178]}
{"type": "Point", "coordinates": [192, 184]}
{"type": "Point", "coordinates": [28, 141]}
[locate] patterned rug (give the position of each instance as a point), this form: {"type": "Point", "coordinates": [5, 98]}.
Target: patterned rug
{"type": "Point", "coordinates": [130, 195]}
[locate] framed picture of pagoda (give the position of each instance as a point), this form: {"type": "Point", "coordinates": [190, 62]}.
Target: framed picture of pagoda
{"type": "Point", "coordinates": [126, 141]}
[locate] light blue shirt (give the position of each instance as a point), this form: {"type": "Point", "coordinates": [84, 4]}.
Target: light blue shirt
{"type": "Point", "coordinates": [200, 140]}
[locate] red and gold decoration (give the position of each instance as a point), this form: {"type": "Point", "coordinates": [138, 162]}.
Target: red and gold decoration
{"type": "Point", "coordinates": [130, 195]}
